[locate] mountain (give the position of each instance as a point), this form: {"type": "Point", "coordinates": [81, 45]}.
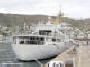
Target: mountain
{"type": "Point", "coordinates": [17, 19]}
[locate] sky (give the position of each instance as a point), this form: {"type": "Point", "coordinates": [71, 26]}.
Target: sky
{"type": "Point", "coordinates": [77, 9]}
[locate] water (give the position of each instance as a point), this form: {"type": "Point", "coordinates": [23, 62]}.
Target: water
{"type": "Point", "coordinates": [7, 56]}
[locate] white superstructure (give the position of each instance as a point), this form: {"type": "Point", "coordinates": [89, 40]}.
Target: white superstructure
{"type": "Point", "coordinates": [45, 42]}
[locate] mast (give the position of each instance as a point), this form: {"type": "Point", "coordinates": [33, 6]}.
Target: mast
{"type": "Point", "coordinates": [55, 20]}
{"type": "Point", "coordinates": [59, 17]}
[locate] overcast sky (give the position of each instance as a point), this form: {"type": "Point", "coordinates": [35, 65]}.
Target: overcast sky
{"type": "Point", "coordinates": [71, 8]}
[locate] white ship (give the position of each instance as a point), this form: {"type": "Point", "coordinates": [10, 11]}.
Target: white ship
{"type": "Point", "coordinates": [46, 41]}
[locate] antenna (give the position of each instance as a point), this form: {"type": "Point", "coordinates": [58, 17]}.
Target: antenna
{"type": "Point", "coordinates": [59, 17]}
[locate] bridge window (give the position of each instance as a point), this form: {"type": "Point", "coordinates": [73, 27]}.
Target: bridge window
{"type": "Point", "coordinates": [44, 32]}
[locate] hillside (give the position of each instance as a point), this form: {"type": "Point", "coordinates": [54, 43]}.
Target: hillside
{"type": "Point", "coordinates": [16, 19]}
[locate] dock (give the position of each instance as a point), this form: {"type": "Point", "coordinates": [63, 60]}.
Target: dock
{"type": "Point", "coordinates": [75, 56]}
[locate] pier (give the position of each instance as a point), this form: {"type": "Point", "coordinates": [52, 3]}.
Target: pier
{"type": "Point", "coordinates": [76, 56]}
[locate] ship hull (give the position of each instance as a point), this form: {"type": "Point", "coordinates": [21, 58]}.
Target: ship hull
{"type": "Point", "coordinates": [34, 52]}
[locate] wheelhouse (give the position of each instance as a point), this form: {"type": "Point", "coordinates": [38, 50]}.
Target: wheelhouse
{"type": "Point", "coordinates": [45, 32]}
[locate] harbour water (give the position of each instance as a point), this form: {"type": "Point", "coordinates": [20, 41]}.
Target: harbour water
{"type": "Point", "coordinates": [7, 56]}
